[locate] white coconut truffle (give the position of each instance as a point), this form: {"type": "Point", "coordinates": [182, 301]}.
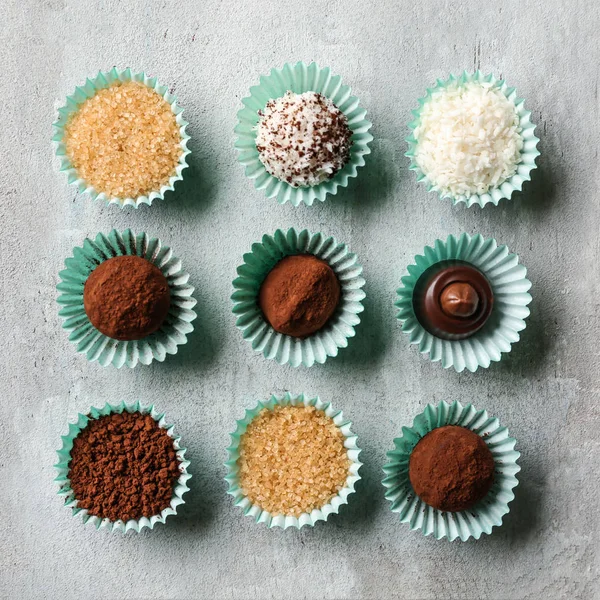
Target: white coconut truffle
{"type": "Point", "coordinates": [303, 139]}
{"type": "Point", "coordinates": [468, 139]}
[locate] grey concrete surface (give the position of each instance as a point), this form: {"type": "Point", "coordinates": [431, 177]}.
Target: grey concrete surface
{"type": "Point", "coordinates": [546, 391]}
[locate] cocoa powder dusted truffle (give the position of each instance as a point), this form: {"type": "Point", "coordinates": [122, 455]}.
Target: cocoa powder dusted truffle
{"type": "Point", "coordinates": [126, 298]}
{"type": "Point", "coordinates": [451, 468]}
{"type": "Point", "coordinates": [303, 139]}
{"type": "Point", "coordinates": [299, 295]}
{"type": "Point", "coordinates": [123, 466]}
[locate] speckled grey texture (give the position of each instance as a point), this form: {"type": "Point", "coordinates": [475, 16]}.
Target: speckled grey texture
{"type": "Point", "coordinates": [546, 391]}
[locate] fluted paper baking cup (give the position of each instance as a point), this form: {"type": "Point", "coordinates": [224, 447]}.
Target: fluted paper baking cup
{"type": "Point", "coordinates": [64, 457]}
{"type": "Point", "coordinates": [484, 515]}
{"type": "Point", "coordinates": [88, 90]}
{"type": "Point", "coordinates": [300, 78]}
{"type": "Point", "coordinates": [529, 153]}
{"type": "Point", "coordinates": [97, 346]}
{"type": "Point", "coordinates": [510, 289]}
{"type": "Point", "coordinates": [286, 349]}
{"type": "Point", "coordinates": [318, 514]}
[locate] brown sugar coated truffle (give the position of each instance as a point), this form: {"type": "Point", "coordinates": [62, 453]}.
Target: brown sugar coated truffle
{"type": "Point", "coordinates": [451, 468]}
{"type": "Point", "coordinates": [299, 295]}
{"type": "Point", "coordinates": [126, 298]}
{"type": "Point", "coordinates": [292, 460]}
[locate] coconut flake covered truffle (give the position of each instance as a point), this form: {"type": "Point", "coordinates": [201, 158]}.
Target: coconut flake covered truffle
{"type": "Point", "coordinates": [303, 139]}
{"type": "Point", "coordinates": [468, 139]}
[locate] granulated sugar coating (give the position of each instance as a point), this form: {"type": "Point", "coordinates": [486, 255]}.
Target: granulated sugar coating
{"type": "Point", "coordinates": [468, 139]}
{"type": "Point", "coordinates": [303, 139]}
{"type": "Point", "coordinates": [292, 460]}
{"type": "Point", "coordinates": [124, 141]}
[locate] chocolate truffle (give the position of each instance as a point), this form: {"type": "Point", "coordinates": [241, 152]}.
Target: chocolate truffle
{"type": "Point", "coordinates": [451, 468]}
{"type": "Point", "coordinates": [303, 139]}
{"type": "Point", "coordinates": [468, 138]}
{"type": "Point", "coordinates": [299, 295]}
{"type": "Point", "coordinates": [123, 466]}
{"type": "Point", "coordinates": [124, 141]}
{"type": "Point", "coordinates": [292, 460]}
{"type": "Point", "coordinates": [453, 300]}
{"type": "Point", "coordinates": [126, 298]}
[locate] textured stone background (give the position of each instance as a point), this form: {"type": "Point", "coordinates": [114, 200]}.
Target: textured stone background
{"type": "Point", "coordinates": [546, 390]}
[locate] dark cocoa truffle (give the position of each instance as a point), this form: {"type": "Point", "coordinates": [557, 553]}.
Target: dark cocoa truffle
{"type": "Point", "coordinates": [453, 300]}
{"type": "Point", "coordinates": [451, 468]}
{"type": "Point", "coordinates": [126, 298]}
{"type": "Point", "coordinates": [299, 295]}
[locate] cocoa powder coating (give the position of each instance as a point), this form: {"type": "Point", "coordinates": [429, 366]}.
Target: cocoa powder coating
{"type": "Point", "coordinates": [451, 468]}
{"type": "Point", "coordinates": [299, 295]}
{"type": "Point", "coordinates": [123, 466]}
{"type": "Point", "coordinates": [126, 298]}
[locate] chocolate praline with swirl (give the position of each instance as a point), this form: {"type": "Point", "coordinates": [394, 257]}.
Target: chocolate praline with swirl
{"type": "Point", "coordinates": [453, 300]}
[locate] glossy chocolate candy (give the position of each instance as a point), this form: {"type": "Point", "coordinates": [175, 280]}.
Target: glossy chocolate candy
{"type": "Point", "coordinates": [453, 300]}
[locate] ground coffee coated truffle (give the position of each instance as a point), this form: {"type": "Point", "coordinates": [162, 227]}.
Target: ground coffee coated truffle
{"type": "Point", "coordinates": [451, 468]}
{"type": "Point", "coordinates": [127, 298]}
{"type": "Point", "coordinates": [123, 466]}
{"type": "Point", "coordinates": [299, 295]}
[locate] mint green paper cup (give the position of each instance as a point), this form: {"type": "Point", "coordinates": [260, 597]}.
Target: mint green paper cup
{"type": "Point", "coordinates": [322, 344]}
{"type": "Point", "coordinates": [510, 288]}
{"type": "Point", "coordinates": [529, 153]}
{"type": "Point", "coordinates": [96, 345]}
{"type": "Point", "coordinates": [484, 515]}
{"type": "Point", "coordinates": [316, 515]}
{"type": "Point", "coordinates": [300, 78]}
{"type": "Point", "coordinates": [88, 90]}
{"type": "Point", "coordinates": [64, 458]}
